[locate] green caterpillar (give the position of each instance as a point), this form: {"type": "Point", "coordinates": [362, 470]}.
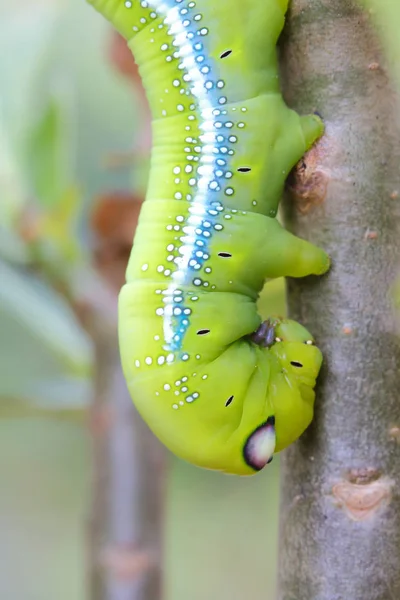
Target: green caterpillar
{"type": "Point", "coordinates": [218, 387]}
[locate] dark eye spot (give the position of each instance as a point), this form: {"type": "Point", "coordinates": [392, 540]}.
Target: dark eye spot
{"type": "Point", "coordinates": [229, 401]}
{"type": "Point", "coordinates": [224, 254]}
{"type": "Point", "coordinates": [225, 54]}
{"type": "Point", "coordinates": [294, 363]}
{"type": "Point", "coordinates": [244, 169]}
{"type": "Point", "coordinates": [203, 331]}
{"type": "Point", "coordinates": [260, 445]}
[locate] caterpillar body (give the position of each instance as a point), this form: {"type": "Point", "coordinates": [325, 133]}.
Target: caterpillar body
{"type": "Point", "coordinates": [218, 387]}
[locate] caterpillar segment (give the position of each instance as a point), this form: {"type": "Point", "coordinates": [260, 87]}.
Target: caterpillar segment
{"type": "Point", "coordinates": [218, 387]}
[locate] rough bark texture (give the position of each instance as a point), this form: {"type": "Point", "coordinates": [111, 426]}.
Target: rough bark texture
{"type": "Point", "coordinates": [340, 513]}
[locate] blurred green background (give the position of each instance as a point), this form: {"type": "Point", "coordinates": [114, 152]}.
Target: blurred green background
{"type": "Point", "coordinates": [64, 110]}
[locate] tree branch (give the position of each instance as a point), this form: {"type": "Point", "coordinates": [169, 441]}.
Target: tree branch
{"type": "Point", "coordinates": [340, 513]}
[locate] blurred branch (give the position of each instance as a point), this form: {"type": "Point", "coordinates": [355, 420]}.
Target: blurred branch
{"type": "Point", "coordinates": [135, 496]}
{"type": "Point", "coordinates": [125, 531]}
{"type": "Point", "coordinates": [340, 514]}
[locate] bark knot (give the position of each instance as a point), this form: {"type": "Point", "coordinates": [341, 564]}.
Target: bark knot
{"type": "Point", "coordinates": [362, 494]}
{"type": "Point", "coordinates": [308, 182]}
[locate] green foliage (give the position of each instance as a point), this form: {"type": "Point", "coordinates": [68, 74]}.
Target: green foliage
{"type": "Point", "coordinates": [49, 151]}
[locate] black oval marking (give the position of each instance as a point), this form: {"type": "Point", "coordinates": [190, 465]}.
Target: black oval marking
{"type": "Point", "coordinates": [225, 54]}
{"type": "Point", "coordinates": [296, 364]}
{"type": "Point", "coordinates": [229, 401]}
{"type": "Point", "coordinates": [244, 169]}
{"type": "Point", "coordinates": [225, 254]}
{"type": "Point", "coordinates": [203, 331]}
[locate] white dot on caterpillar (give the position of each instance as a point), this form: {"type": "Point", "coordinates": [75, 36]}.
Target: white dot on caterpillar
{"type": "Point", "coordinates": [157, 338]}
{"type": "Point", "coordinates": [198, 356]}
{"type": "Point", "coordinates": [189, 399]}
{"type": "Point", "coordinates": [185, 357]}
{"type": "Point", "coordinates": [184, 389]}
{"type": "Point", "coordinates": [159, 312]}
{"type": "Point", "coordinates": [148, 360]}
{"type": "Point", "coordinates": [137, 363]}
{"type": "Point", "coordinates": [175, 406]}
{"type": "Point", "coordinates": [182, 403]}
{"type": "Point", "coordinates": [240, 125]}
{"type": "Point", "coordinates": [195, 395]}
{"type": "Point", "coordinates": [176, 170]}
{"type": "Point", "coordinates": [205, 377]}
{"type": "Point", "coordinates": [167, 387]}
{"type": "Point", "coordinates": [161, 360]}
{"type": "Point", "coordinates": [160, 268]}
{"type": "Point", "coordinates": [177, 393]}
{"type": "Point", "coordinates": [145, 267]}
{"type": "Point", "coordinates": [278, 339]}
{"type": "Point", "coordinates": [170, 358]}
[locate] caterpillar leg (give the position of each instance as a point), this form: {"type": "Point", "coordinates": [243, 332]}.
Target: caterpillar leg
{"type": "Point", "coordinates": [291, 256]}
{"type": "Point", "coordinates": [312, 127]}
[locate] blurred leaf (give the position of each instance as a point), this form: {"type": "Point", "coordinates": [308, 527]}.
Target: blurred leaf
{"type": "Point", "coordinates": [12, 248]}
{"type": "Point", "coordinates": [45, 356]}
{"type": "Point", "coordinates": [49, 154]}
{"type": "Point", "coordinates": [56, 235]}
{"type": "Point", "coordinates": [27, 301]}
